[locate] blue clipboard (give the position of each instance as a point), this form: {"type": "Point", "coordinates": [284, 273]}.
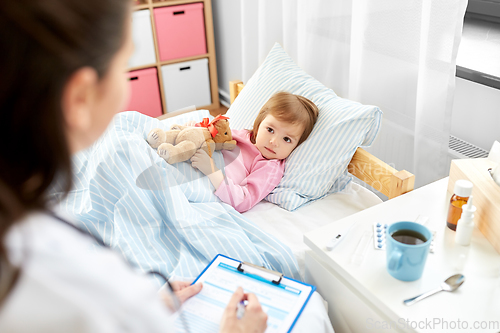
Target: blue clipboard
{"type": "Point", "coordinates": [262, 275]}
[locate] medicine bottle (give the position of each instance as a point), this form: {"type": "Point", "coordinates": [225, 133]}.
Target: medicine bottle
{"type": "Point", "coordinates": [462, 192]}
{"type": "Point", "coordinates": [466, 224]}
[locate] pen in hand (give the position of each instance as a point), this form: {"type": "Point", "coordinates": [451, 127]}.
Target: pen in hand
{"type": "Point", "coordinates": [254, 319]}
{"type": "Point", "coordinates": [240, 312]}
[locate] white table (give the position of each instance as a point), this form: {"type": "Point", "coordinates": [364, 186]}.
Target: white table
{"type": "Point", "coordinates": [363, 297]}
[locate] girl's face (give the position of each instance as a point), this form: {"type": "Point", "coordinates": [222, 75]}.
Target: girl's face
{"type": "Point", "coordinates": [276, 139]}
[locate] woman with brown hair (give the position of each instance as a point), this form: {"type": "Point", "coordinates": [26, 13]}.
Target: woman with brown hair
{"type": "Point", "coordinates": [63, 64]}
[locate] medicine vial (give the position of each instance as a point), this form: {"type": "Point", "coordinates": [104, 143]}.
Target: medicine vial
{"type": "Point", "coordinates": [462, 192]}
{"type": "Point", "coordinates": [466, 224]}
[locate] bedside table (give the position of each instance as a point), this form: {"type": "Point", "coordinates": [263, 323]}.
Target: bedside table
{"type": "Point", "coordinates": [363, 297]}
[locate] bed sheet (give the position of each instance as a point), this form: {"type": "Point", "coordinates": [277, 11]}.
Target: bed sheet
{"type": "Point", "coordinates": [160, 217]}
{"type": "Point", "coordinates": [290, 227]}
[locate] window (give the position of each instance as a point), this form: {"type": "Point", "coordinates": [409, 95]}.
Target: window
{"type": "Point", "coordinates": [488, 10]}
{"type": "Point", "coordinates": [479, 50]}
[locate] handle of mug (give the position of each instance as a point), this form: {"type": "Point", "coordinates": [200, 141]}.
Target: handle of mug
{"type": "Point", "coordinates": [395, 260]}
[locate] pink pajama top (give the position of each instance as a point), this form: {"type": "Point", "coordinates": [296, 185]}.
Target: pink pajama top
{"type": "Point", "coordinates": [250, 177]}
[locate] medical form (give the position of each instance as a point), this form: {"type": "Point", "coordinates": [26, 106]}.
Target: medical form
{"type": "Point", "coordinates": [282, 302]}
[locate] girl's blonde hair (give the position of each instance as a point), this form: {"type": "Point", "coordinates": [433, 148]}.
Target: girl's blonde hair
{"type": "Point", "coordinates": [290, 108]}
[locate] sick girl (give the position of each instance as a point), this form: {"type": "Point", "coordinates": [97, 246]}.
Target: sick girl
{"type": "Point", "coordinates": [256, 168]}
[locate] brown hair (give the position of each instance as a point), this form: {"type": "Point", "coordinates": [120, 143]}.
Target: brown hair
{"type": "Point", "coordinates": [290, 108]}
{"type": "Point", "coordinates": [43, 43]}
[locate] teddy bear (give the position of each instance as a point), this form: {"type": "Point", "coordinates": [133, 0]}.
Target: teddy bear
{"type": "Point", "coordinates": [180, 143]}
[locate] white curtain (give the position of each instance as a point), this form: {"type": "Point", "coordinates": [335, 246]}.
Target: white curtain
{"type": "Point", "coordinates": [396, 54]}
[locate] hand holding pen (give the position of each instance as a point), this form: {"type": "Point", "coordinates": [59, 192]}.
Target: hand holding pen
{"type": "Point", "coordinates": [254, 318]}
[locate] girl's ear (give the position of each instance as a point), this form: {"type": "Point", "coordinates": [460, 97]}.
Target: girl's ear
{"type": "Point", "coordinates": [78, 99]}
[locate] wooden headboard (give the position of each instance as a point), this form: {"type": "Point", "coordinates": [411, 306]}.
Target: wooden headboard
{"type": "Point", "coordinates": [371, 170]}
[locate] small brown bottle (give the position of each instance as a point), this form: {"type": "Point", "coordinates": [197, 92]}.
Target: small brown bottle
{"type": "Point", "coordinates": [462, 192]}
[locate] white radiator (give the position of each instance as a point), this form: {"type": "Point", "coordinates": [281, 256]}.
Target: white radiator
{"type": "Point", "coordinates": [459, 148]}
{"type": "Point", "coordinates": [463, 149]}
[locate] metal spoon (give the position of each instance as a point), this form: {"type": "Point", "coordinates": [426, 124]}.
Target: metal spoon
{"type": "Point", "coordinates": [450, 284]}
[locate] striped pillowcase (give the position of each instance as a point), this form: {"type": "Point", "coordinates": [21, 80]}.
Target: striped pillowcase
{"type": "Point", "coordinates": [319, 165]}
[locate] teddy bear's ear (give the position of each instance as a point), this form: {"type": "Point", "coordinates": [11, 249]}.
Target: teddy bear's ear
{"type": "Point", "coordinates": [223, 131]}
{"type": "Point", "coordinates": [221, 124]}
{"type": "Point", "coordinates": [225, 127]}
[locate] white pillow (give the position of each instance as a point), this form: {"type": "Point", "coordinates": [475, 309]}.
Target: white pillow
{"type": "Point", "coordinates": [319, 165]}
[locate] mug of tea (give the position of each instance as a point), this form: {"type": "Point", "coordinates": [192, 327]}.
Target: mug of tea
{"type": "Point", "coordinates": [407, 246]}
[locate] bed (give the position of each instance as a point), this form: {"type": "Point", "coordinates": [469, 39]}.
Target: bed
{"type": "Point", "coordinates": [165, 218]}
{"type": "Point", "coordinates": [290, 226]}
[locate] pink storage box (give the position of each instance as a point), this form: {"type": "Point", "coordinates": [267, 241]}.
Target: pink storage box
{"type": "Point", "coordinates": [144, 92]}
{"type": "Point", "coordinates": [180, 31]}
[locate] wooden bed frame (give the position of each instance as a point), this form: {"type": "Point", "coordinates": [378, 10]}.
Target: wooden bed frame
{"type": "Point", "coordinates": [371, 170]}
{"type": "Point", "coordinates": [364, 166]}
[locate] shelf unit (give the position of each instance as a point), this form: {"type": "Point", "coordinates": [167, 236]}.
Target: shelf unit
{"type": "Point", "coordinates": [210, 43]}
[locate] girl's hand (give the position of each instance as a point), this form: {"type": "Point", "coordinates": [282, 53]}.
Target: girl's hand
{"type": "Point", "coordinates": [203, 162]}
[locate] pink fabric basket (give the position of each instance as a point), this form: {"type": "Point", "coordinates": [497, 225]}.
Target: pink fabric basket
{"type": "Point", "coordinates": [144, 92]}
{"type": "Point", "coordinates": [180, 31]}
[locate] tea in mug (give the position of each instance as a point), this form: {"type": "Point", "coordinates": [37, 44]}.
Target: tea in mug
{"type": "Point", "coordinates": [410, 237]}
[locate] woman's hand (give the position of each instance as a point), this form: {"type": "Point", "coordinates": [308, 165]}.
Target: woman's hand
{"type": "Point", "coordinates": [184, 290]}
{"type": "Point", "coordinates": [254, 320]}
{"type": "Point", "coordinates": [203, 162]}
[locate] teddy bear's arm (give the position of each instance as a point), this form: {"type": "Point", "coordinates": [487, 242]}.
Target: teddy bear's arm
{"type": "Point", "coordinates": [157, 136]}
{"type": "Point", "coordinates": [228, 145]}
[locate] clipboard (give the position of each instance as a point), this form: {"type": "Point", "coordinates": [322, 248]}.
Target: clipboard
{"type": "Point", "coordinates": [282, 298]}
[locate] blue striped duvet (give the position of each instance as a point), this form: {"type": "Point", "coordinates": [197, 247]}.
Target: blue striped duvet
{"type": "Point", "coordinates": [161, 217]}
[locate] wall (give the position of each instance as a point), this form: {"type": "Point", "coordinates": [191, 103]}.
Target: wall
{"type": "Point", "coordinates": [227, 33]}
{"type": "Point", "coordinates": [476, 113]}
{"type": "Point", "coordinates": [476, 108]}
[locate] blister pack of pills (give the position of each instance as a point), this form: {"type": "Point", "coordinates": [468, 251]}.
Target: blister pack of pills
{"type": "Point", "coordinates": [379, 232]}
